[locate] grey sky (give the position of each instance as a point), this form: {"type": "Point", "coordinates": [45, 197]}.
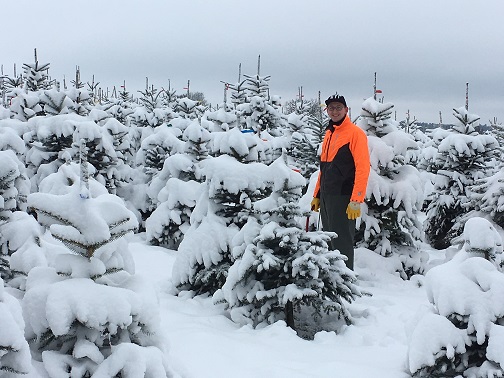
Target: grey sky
{"type": "Point", "coordinates": [424, 52]}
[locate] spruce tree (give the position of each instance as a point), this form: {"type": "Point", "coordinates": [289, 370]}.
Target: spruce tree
{"type": "Point", "coordinates": [465, 324]}
{"type": "Point", "coordinates": [279, 267]}
{"type": "Point", "coordinates": [49, 143]}
{"type": "Point", "coordinates": [303, 148]}
{"type": "Point", "coordinates": [82, 98]}
{"type": "Point", "coordinates": [151, 112]}
{"type": "Point", "coordinates": [390, 225]}
{"type": "Point", "coordinates": [56, 102]}
{"type": "Point", "coordinates": [14, 188]}
{"type": "Point", "coordinates": [461, 159]}
{"type": "Point", "coordinates": [35, 76]}
{"type": "Point", "coordinates": [188, 109]}
{"type": "Point", "coordinates": [174, 189]}
{"type": "Point", "coordinates": [92, 310]}
{"type": "Point", "coordinates": [15, 357]}
{"type": "Point", "coordinates": [223, 207]}
{"type": "Point", "coordinates": [223, 119]}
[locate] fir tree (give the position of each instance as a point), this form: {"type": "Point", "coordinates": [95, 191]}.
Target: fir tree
{"type": "Point", "coordinates": [278, 267]}
{"type": "Point", "coordinates": [23, 105]}
{"type": "Point", "coordinates": [119, 172]}
{"type": "Point", "coordinates": [49, 142]}
{"type": "Point", "coordinates": [82, 99]}
{"type": "Point", "coordinates": [196, 139]}
{"type": "Point", "coordinates": [15, 357]}
{"type": "Point", "coordinates": [304, 146]}
{"type": "Point", "coordinates": [56, 102]}
{"type": "Point", "coordinates": [390, 226]}
{"type": "Point", "coordinates": [187, 108]}
{"type": "Point", "coordinates": [497, 130]}
{"type": "Point", "coordinates": [122, 107]}
{"type": "Point", "coordinates": [223, 207]}
{"type": "Point", "coordinates": [462, 155]}
{"type": "Point", "coordinates": [223, 119]}
{"type": "Point", "coordinates": [35, 76]}
{"type": "Point", "coordinates": [155, 150]}
{"type": "Point", "coordinates": [14, 188]}
{"type": "Point", "coordinates": [465, 324]}
{"type": "Point", "coordinates": [151, 112]}
{"type": "Point", "coordinates": [108, 315]}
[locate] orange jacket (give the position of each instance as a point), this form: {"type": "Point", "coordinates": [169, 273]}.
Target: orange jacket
{"type": "Point", "coordinates": [344, 162]}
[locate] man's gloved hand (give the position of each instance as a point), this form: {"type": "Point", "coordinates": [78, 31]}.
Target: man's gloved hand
{"type": "Point", "coordinates": [315, 204]}
{"type": "Point", "coordinates": [353, 210]}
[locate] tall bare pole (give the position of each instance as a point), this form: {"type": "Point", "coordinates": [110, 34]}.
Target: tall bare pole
{"type": "Point", "coordinates": [188, 84]}
{"type": "Point", "coordinates": [321, 115]}
{"type": "Point", "coordinates": [467, 97]}
{"type": "Point", "coordinates": [374, 87]}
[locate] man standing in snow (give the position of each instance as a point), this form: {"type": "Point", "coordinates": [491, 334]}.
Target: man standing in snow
{"type": "Point", "coordinates": [343, 177]}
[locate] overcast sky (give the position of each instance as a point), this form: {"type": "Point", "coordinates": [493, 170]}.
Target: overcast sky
{"type": "Point", "coordinates": [424, 52]}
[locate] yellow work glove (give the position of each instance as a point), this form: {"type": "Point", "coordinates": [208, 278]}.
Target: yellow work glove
{"type": "Point", "coordinates": [353, 210]}
{"type": "Point", "coordinates": [315, 204]}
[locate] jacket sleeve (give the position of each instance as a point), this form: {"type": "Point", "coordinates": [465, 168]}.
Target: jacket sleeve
{"type": "Point", "coordinates": [360, 151]}
{"type": "Point", "coordinates": [316, 192]}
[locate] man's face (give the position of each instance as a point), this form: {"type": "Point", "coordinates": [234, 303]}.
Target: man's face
{"type": "Point", "coordinates": [336, 111]}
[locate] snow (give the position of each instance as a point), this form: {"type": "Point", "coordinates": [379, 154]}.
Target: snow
{"type": "Point", "coordinates": [375, 346]}
{"type": "Point", "coordinates": [93, 305]}
{"type": "Point", "coordinates": [204, 342]}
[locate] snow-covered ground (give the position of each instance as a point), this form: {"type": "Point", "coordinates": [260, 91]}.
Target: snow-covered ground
{"type": "Point", "coordinates": [203, 342]}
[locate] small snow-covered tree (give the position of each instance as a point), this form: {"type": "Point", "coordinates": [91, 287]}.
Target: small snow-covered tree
{"type": "Point", "coordinates": [14, 188]}
{"type": "Point", "coordinates": [56, 102]}
{"type": "Point", "coordinates": [279, 267]}
{"type": "Point", "coordinates": [35, 75]}
{"type": "Point", "coordinates": [151, 102]}
{"type": "Point", "coordinates": [49, 141]}
{"type": "Point", "coordinates": [461, 159]}
{"type": "Point", "coordinates": [15, 357]}
{"type": "Point", "coordinates": [171, 219]}
{"type": "Point", "coordinates": [390, 224]}
{"type": "Point", "coordinates": [23, 105]}
{"type": "Point", "coordinates": [196, 138]}
{"type": "Point", "coordinates": [24, 101]}
{"type": "Point", "coordinates": [86, 314]}
{"type": "Point", "coordinates": [188, 109]}
{"type": "Point", "coordinates": [173, 191]}
{"type": "Point", "coordinates": [151, 177]}
{"type": "Point", "coordinates": [303, 146]}
{"type": "Point", "coordinates": [223, 119]}
{"type": "Point", "coordinates": [14, 185]}
{"type": "Point", "coordinates": [244, 147]}
{"type": "Point", "coordinates": [223, 207]}
{"type": "Point", "coordinates": [463, 334]}
{"type": "Point", "coordinates": [487, 197]}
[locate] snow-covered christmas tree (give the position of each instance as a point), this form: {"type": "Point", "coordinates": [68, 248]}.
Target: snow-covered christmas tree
{"type": "Point", "coordinates": [15, 357]}
{"type": "Point", "coordinates": [462, 155]}
{"type": "Point", "coordinates": [390, 225]}
{"type": "Point", "coordinates": [279, 267]}
{"type": "Point", "coordinates": [463, 334]}
{"type": "Point", "coordinates": [224, 206]}
{"type": "Point", "coordinates": [86, 313]}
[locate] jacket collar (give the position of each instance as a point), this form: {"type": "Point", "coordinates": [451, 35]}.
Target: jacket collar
{"type": "Point", "coordinates": [332, 125]}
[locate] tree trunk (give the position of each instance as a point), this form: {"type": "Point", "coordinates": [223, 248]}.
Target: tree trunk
{"type": "Point", "coordinates": [289, 315]}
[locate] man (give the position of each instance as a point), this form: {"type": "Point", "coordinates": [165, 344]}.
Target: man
{"type": "Point", "coordinates": [343, 177]}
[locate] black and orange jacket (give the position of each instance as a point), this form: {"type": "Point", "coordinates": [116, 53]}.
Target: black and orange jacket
{"type": "Point", "coordinates": [344, 162]}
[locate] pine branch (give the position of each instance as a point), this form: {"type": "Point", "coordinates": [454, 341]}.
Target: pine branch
{"type": "Point", "coordinates": [55, 217]}
{"type": "Point", "coordinates": [107, 272]}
